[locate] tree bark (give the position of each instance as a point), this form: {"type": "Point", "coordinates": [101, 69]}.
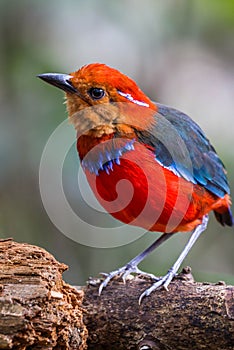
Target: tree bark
{"type": "Point", "coordinates": [37, 309]}
{"type": "Point", "coordinates": [40, 311]}
{"type": "Point", "coordinates": [190, 315]}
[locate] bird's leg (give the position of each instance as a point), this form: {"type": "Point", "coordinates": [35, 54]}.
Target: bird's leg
{"type": "Point", "coordinates": [165, 280]}
{"type": "Point", "coordinates": [132, 266]}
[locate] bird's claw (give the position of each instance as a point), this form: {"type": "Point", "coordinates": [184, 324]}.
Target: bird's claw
{"type": "Point", "coordinates": [125, 271]}
{"type": "Point", "coordinates": [109, 277]}
{"type": "Point", "coordinates": [163, 281]}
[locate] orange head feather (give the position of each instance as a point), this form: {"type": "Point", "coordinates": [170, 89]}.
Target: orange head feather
{"type": "Point", "coordinates": [111, 80]}
{"type": "Point", "coordinates": [106, 99]}
{"type": "Point", "coordinates": [103, 103]}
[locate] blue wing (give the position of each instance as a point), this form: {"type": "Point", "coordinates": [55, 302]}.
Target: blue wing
{"type": "Point", "coordinates": [180, 145]}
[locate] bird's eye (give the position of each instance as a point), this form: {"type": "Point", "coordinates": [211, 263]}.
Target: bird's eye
{"type": "Point", "coordinates": [96, 93]}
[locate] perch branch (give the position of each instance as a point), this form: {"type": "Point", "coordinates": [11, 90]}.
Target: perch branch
{"type": "Point", "coordinates": [190, 315]}
{"type": "Point", "coordinates": [40, 311]}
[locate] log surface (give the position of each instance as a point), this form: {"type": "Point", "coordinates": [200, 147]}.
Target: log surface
{"type": "Point", "coordinates": [37, 309]}
{"type": "Point", "coordinates": [190, 315]}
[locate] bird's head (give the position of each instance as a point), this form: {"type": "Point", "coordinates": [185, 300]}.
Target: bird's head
{"type": "Point", "coordinates": [99, 98]}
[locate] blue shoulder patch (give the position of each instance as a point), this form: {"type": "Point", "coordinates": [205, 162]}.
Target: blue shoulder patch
{"type": "Point", "coordinates": [99, 161]}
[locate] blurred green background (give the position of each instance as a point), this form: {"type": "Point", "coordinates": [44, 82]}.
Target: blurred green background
{"type": "Point", "coordinates": [180, 52]}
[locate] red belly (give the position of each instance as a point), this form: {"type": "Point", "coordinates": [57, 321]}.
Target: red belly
{"type": "Point", "coordinates": [151, 196]}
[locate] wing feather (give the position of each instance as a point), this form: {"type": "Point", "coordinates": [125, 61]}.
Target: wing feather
{"type": "Point", "coordinates": [181, 146]}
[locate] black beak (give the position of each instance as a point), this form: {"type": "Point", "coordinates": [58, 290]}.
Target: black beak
{"type": "Point", "coordinates": [62, 81]}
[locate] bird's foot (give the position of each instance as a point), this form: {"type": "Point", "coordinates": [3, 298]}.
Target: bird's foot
{"type": "Point", "coordinates": [124, 271]}
{"type": "Point", "coordinates": [162, 281]}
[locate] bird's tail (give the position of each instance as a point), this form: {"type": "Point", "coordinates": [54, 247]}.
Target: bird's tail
{"type": "Point", "coordinates": [225, 218]}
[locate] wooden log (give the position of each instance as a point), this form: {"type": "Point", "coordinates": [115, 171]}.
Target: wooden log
{"type": "Point", "coordinates": [190, 315]}
{"type": "Point", "coordinates": [37, 309]}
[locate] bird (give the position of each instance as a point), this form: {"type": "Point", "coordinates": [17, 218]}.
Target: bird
{"type": "Point", "coordinates": [149, 165]}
